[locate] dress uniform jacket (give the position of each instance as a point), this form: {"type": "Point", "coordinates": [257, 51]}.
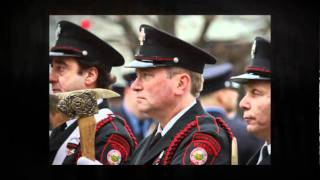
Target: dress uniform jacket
{"type": "Point", "coordinates": [114, 141]}
{"type": "Point", "coordinates": [254, 159]}
{"type": "Point", "coordinates": [196, 138]}
{"type": "Point", "coordinates": [247, 143]}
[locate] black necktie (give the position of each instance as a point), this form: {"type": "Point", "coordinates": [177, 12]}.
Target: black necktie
{"type": "Point", "coordinates": [265, 160]}
{"type": "Point", "coordinates": [265, 152]}
{"type": "Point", "coordinates": [154, 140]}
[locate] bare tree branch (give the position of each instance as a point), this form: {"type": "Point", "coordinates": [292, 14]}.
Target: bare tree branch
{"type": "Point", "coordinates": [201, 41]}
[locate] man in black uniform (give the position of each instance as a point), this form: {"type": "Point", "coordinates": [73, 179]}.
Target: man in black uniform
{"type": "Point", "coordinates": [219, 98]}
{"type": "Point", "coordinates": [80, 60]}
{"type": "Point", "coordinates": [138, 121]}
{"type": "Point", "coordinates": [256, 103]}
{"type": "Point", "coordinates": [169, 79]}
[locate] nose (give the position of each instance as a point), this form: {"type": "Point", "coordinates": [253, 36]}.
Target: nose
{"type": "Point", "coordinates": [136, 85]}
{"type": "Point", "coordinates": [53, 77]}
{"type": "Point", "coordinates": [244, 103]}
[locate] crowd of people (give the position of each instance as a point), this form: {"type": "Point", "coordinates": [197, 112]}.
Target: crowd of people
{"type": "Point", "coordinates": [179, 107]}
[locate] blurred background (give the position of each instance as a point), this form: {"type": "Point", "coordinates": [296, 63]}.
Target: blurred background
{"type": "Point", "coordinates": [227, 37]}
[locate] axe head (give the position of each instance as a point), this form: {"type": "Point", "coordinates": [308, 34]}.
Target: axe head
{"type": "Point", "coordinates": [82, 103]}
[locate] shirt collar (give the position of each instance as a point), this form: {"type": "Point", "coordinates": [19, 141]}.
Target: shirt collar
{"type": "Point", "coordinates": [174, 119]}
{"type": "Point", "coordinates": [269, 150]}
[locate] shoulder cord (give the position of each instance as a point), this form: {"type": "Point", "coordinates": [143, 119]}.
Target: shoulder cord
{"type": "Point", "coordinates": [184, 132]}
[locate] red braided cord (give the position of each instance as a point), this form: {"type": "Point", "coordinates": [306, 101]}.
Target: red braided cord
{"type": "Point", "coordinates": [225, 127]}
{"type": "Point", "coordinates": [129, 131]}
{"type": "Point", "coordinates": [103, 122]}
{"type": "Point", "coordinates": [77, 156]}
{"type": "Point", "coordinates": [66, 48]}
{"type": "Point", "coordinates": [176, 141]}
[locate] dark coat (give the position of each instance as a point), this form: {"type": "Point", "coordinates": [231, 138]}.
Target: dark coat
{"type": "Point", "coordinates": [254, 159]}
{"type": "Point", "coordinates": [248, 144]}
{"type": "Point", "coordinates": [196, 138]}
{"type": "Point", "coordinates": [114, 138]}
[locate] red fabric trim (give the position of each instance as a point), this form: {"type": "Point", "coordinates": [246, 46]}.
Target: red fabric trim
{"type": "Point", "coordinates": [72, 146]}
{"type": "Point", "coordinates": [119, 143]}
{"type": "Point", "coordinates": [224, 125]}
{"type": "Point", "coordinates": [258, 69]}
{"type": "Point", "coordinates": [133, 137]}
{"type": "Point", "coordinates": [103, 122]}
{"type": "Point", "coordinates": [176, 140]}
{"type": "Point", "coordinates": [198, 122]}
{"type": "Point", "coordinates": [114, 126]}
{"type": "Point", "coordinates": [216, 123]}
{"type": "Point", "coordinates": [104, 148]}
{"type": "Point", "coordinates": [156, 58]}
{"type": "Point", "coordinates": [68, 48]}
{"type": "Point", "coordinates": [205, 138]}
{"type": "Point", "coordinates": [77, 156]}
{"type": "Point", "coordinates": [184, 155]}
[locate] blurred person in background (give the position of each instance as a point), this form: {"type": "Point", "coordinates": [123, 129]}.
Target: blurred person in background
{"type": "Point", "coordinates": [115, 102]}
{"type": "Point", "coordinates": [219, 97]}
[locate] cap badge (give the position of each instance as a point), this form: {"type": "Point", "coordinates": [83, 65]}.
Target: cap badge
{"type": "Point", "coordinates": [142, 36]}
{"type": "Point", "coordinates": [114, 157]}
{"type": "Point", "coordinates": [198, 156]}
{"type": "Point", "coordinates": [58, 31]}
{"type": "Point", "coordinates": [253, 49]}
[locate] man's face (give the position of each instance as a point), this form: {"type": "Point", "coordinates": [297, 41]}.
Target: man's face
{"type": "Point", "coordinates": [154, 90]}
{"type": "Point", "coordinates": [64, 75]}
{"type": "Point", "coordinates": [257, 108]}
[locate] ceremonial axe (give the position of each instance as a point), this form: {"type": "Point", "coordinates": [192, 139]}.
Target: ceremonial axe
{"type": "Point", "coordinates": [82, 105]}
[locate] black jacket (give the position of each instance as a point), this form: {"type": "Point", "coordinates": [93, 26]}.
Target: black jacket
{"type": "Point", "coordinates": [196, 138]}
{"type": "Point", "coordinates": [248, 144]}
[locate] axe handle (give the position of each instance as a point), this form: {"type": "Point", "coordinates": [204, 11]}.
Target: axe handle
{"type": "Point", "coordinates": [87, 127]}
{"type": "Point", "coordinates": [234, 151]}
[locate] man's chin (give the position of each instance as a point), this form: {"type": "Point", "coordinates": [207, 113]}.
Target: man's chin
{"type": "Point", "coordinates": [143, 109]}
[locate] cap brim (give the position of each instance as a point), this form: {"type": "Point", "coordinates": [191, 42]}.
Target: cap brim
{"type": "Point", "coordinates": [244, 78]}
{"type": "Point", "coordinates": [140, 64]}
{"type": "Point", "coordinates": [61, 54]}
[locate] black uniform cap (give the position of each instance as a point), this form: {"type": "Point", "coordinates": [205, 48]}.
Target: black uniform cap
{"type": "Point", "coordinates": [260, 66]}
{"type": "Point", "coordinates": [74, 41]}
{"type": "Point", "coordinates": [217, 77]}
{"type": "Point", "coordinates": [118, 88]}
{"type": "Point", "coordinates": [129, 77]}
{"type": "Point", "coordinates": [158, 48]}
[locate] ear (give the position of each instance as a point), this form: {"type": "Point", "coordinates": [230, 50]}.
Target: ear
{"type": "Point", "coordinates": [91, 76]}
{"type": "Point", "coordinates": [219, 96]}
{"type": "Point", "coordinates": [183, 83]}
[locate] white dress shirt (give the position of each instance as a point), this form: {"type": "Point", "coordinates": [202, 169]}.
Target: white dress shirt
{"type": "Point", "coordinates": [269, 151]}
{"type": "Point", "coordinates": [173, 120]}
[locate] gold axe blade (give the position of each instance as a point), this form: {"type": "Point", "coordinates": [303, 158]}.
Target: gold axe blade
{"type": "Point", "coordinates": [99, 93]}
{"type": "Point", "coordinates": [83, 104]}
